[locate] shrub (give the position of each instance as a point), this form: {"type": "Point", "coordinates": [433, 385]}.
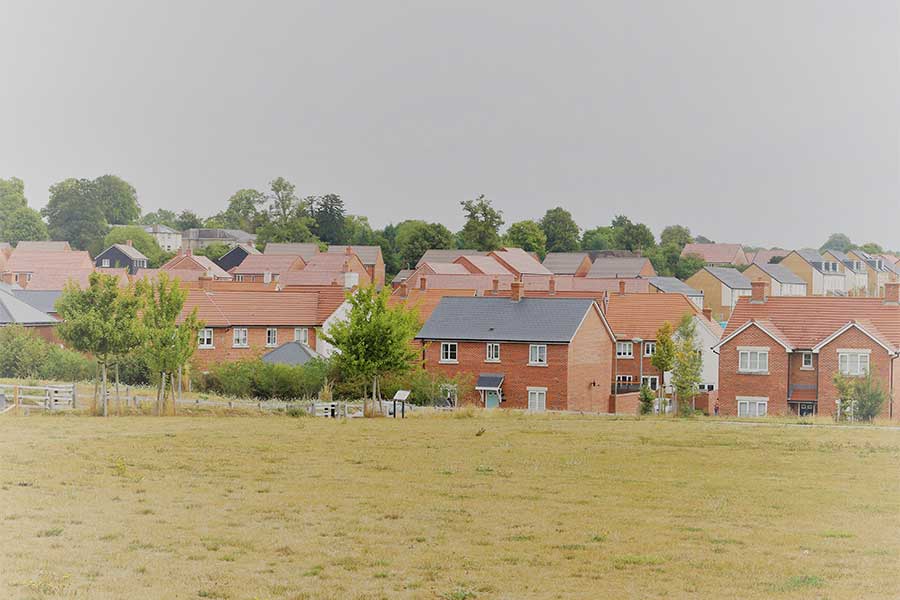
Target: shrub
{"type": "Point", "coordinates": [427, 388]}
{"type": "Point", "coordinates": [254, 378]}
{"type": "Point", "coordinates": [646, 399]}
{"type": "Point", "coordinates": [24, 355]}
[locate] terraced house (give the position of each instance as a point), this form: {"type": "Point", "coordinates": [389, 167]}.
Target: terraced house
{"type": "Point", "coordinates": [532, 353]}
{"type": "Point", "coordinates": [779, 355]}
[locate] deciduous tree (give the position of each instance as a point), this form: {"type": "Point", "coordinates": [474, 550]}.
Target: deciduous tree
{"type": "Point", "coordinates": [687, 371]}
{"type": "Point", "coordinates": [664, 355]}
{"type": "Point", "coordinates": [482, 228]}
{"type": "Point", "coordinates": [528, 236]}
{"type": "Point", "coordinates": [74, 215]}
{"type": "Point", "coordinates": [561, 230]}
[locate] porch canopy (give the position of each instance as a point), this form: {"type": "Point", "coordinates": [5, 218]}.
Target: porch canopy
{"type": "Point", "coordinates": [489, 382]}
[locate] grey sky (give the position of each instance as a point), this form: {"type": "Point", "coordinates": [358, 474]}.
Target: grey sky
{"type": "Point", "coordinates": [760, 122]}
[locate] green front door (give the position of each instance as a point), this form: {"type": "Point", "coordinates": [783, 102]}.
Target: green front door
{"type": "Point", "coordinates": [491, 399]}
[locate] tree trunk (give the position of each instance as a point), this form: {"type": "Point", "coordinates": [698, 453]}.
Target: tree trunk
{"type": "Point", "coordinates": [161, 396]}
{"type": "Point", "coordinates": [104, 391]}
{"type": "Point", "coordinates": [96, 388]}
{"type": "Point", "coordinates": [118, 399]}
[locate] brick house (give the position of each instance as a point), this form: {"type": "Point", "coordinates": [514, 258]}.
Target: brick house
{"type": "Point", "coordinates": [780, 281]}
{"type": "Point", "coordinates": [721, 289]}
{"type": "Point", "coordinates": [823, 276]}
{"type": "Point", "coordinates": [778, 355]}
{"type": "Point", "coordinates": [717, 255]}
{"type": "Point", "coordinates": [239, 325]}
{"type": "Point", "coordinates": [371, 258]}
{"type": "Point", "coordinates": [186, 260]}
{"type": "Point", "coordinates": [532, 353]}
{"type": "Point", "coordinates": [621, 267]}
{"type": "Point", "coordinates": [265, 268]}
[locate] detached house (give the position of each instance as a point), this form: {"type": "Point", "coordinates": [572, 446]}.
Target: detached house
{"type": "Point", "coordinates": [370, 256]}
{"type": "Point", "coordinates": [266, 268]}
{"type": "Point", "coordinates": [856, 278]}
{"type": "Point", "coordinates": [877, 272]}
{"type": "Point", "coordinates": [779, 355]}
{"type": "Point", "coordinates": [120, 256]}
{"type": "Point", "coordinates": [717, 255]}
{"type": "Point", "coordinates": [721, 289]}
{"type": "Point", "coordinates": [823, 276]}
{"type": "Point", "coordinates": [533, 353]}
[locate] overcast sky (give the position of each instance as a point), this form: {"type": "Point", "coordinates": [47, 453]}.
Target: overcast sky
{"type": "Point", "coordinates": [763, 122]}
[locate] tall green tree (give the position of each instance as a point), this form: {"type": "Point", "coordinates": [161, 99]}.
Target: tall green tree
{"type": "Point", "coordinates": [688, 265]}
{"type": "Point", "coordinates": [329, 218]}
{"type": "Point", "coordinates": [168, 337]}
{"type": "Point", "coordinates": [413, 238]}
{"type": "Point", "coordinates": [358, 232]}
{"type": "Point", "coordinates": [664, 355]}
{"type": "Point", "coordinates": [634, 237]}
{"type": "Point", "coordinates": [676, 235]}
{"type": "Point", "coordinates": [17, 220]}
{"type": "Point", "coordinates": [599, 238]}
{"type": "Point", "coordinates": [243, 210]}
{"type": "Point", "coordinates": [375, 340]}
{"type": "Point", "coordinates": [482, 228]}
{"type": "Point", "coordinates": [117, 199]}
{"type": "Point", "coordinates": [160, 217]}
{"type": "Point", "coordinates": [74, 215]}
{"type": "Point", "coordinates": [100, 320]}
{"type": "Point", "coordinates": [838, 241]}
{"type": "Point", "coordinates": [560, 229]}
{"type": "Point", "coordinates": [528, 236]}
{"type": "Point", "coordinates": [687, 372]}
{"type": "Point", "coordinates": [287, 218]}
{"type": "Point", "coordinates": [188, 220]}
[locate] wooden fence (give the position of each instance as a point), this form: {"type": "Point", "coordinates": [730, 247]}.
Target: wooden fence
{"type": "Point", "coordinates": [37, 397]}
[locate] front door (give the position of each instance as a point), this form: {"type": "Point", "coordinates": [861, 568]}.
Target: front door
{"type": "Point", "coordinates": [807, 409]}
{"type": "Point", "coordinates": [491, 399]}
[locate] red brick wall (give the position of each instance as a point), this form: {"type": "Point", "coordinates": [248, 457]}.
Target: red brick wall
{"type": "Point", "coordinates": [590, 366]}
{"type": "Point", "coordinates": [773, 385]}
{"type": "Point", "coordinates": [879, 362]}
{"type": "Point", "coordinates": [223, 340]}
{"type": "Point", "coordinates": [799, 376]}
{"type": "Point", "coordinates": [625, 404]}
{"type": "Point", "coordinates": [632, 366]}
{"type": "Point", "coordinates": [514, 365]}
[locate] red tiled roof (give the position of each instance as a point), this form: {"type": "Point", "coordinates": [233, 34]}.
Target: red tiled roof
{"type": "Point", "coordinates": [333, 262]}
{"type": "Point", "coordinates": [485, 265]}
{"type": "Point", "coordinates": [520, 262]}
{"type": "Point", "coordinates": [195, 262]}
{"type": "Point", "coordinates": [57, 280]}
{"type": "Point", "coordinates": [763, 257]}
{"type": "Point", "coordinates": [445, 268]}
{"type": "Point", "coordinates": [227, 309]}
{"type": "Point", "coordinates": [426, 301]}
{"type": "Point", "coordinates": [804, 321]}
{"type": "Point", "coordinates": [34, 261]}
{"type": "Point", "coordinates": [714, 253]}
{"type": "Point", "coordinates": [257, 264]}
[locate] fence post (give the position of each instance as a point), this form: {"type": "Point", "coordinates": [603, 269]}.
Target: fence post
{"type": "Point", "coordinates": [74, 395]}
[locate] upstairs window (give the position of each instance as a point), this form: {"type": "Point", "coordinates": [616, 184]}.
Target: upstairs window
{"type": "Point", "coordinates": [240, 339]}
{"type": "Point", "coordinates": [449, 352]}
{"type": "Point", "coordinates": [854, 363]}
{"type": "Point", "coordinates": [492, 352]}
{"type": "Point", "coordinates": [624, 350]}
{"type": "Point", "coordinates": [753, 361]}
{"type": "Point", "coordinates": [537, 354]}
{"type": "Point", "coordinates": [807, 361]}
{"type": "Point", "coordinates": [205, 338]}
{"type": "Point", "coordinates": [649, 348]}
{"type": "Point", "coordinates": [301, 334]}
{"type": "Point", "coordinates": [271, 337]}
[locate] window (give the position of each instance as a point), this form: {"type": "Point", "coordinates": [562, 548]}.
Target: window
{"type": "Point", "coordinates": [492, 353]}
{"type": "Point", "coordinates": [240, 339]}
{"type": "Point", "coordinates": [706, 387]}
{"type": "Point", "coordinates": [448, 352]}
{"type": "Point", "coordinates": [651, 381]}
{"type": "Point", "coordinates": [753, 360]}
{"type": "Point", "coordinates": [239, 278]}
{"type": "Point", "coordinates": [301, 334]}
{"type": "Point", "coordinates": [205, 338]}
{"type": "Point", "coordinates": [104, 263]}
{"type": "Point", "coordinates": [752, 407]}
{"type": "Point", "coordinates": [807, 361]}
{"type": "Point", "coordinates": [853, 362]}
{"type": "Point", "coordinates": [649, 348]}
{"type": "Point", "coordinates": [537, 399]}
{"type": "Point", "coordinates": [624, 378]}
{"type": "Point", "coordinates": [537, 354]}
{"type": "Point", "coordinates": [624, 350]}
{"type": "Point", "coordinates": [271, 337]}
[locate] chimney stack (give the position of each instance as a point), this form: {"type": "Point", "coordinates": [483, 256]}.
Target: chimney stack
{"type": "Point", "coordinates": [205, 281]}
{"type": "Point", "coordinates": [517, 288]}
{"type": "Point", "coordinates": [553, 286]}
{"type": "Point", "coordinates": [707, 312]}
{"type": "Point", "coordinates": [621, 287]}
{"type": "Point", "coordinates": [7, 278]}
{"type": "Point", "coordinates": [892, 292]}
{"type": "Point", "coordinates": [189, 252]}
{"type": "Point", "coordinates": [129, 243]}
{"type": "Point", "coordinates": [495, 286]}
{"type": "Point", "coordinates": [348, 251]}
{"type": "Point", "coordinates": [758, 295]}
{"type": "Point", "coordinates": [404, 290]}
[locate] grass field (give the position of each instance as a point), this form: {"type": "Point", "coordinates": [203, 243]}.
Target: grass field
{"type": "Point", "coordinates": [534, 507]}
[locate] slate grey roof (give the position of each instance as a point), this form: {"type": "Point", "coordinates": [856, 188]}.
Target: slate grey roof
{"type": "Point", "coordinates": [730, 277]}
{"type": "Point", "coordinates": [620, 267]}
{"type": "Point", "coordinates": [547, 320]}
{"type": "Point", "coordinates": [780, 273]}
{"type": "Point", "coordinates": [673, 285]}
{"type": "Point", "coordinates": [402, 275]}
{"type": "Point", "coordinates": [15, 312]}
{"type": "Point", "coordinates": [368, 255]}
{"type": "Point", "coordinates": [129, 251]}
{"type": "Point", "coordinates": [291, 353]}
{"type": "Point", "coordinates": [447, 256]}
{"type": "Point", "coordinates": [847, 261]}
{"type": "Point", "coordinates": [234, 235]}
{"type": "Point", "coordinates": [305, 250]}
{"type": "Point", "coordinates": [489, 381]}
{"type": "Point", "coordinates": [159, 228]}
{"type": "Point", "coordinates": [248, 248]}
{"type": "Point", "coordinates": [43, 300]}
{"type": "Point", "coordinates": [564, 263]}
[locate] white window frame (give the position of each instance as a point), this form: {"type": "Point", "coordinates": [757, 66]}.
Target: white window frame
{"type": "Point", "coordinates": [750, 365]}
{"type": "Point", "coordinates": [537, 399]}
{"type": "Point", "coordinates": [649, 349]}
{"type": "Point", "coordinates": [624, 349]}
{"type": "Point", "coordinates": [804, 358]}
{"type": "Point", "coordinates": [104, 263]}
{"type": "Point", "coordinates": [652, 381]}
{"type": "Point", "coordinates": [752, 406]}
{"type": "Point", "coordinates": [624, 378]}
{"type": "Point", "coordinates": [239, 279]}
{"type": "Point", "coordinates": [848, 356]}
{"type": "Point", "coordinates": [492, 352]}
{"type": "Point", "coordinates": [446, 353]}
{"type": "Point", "coordinates": [238, 334]}
{"type": "Point", "coordinates": [271, 334]}
{"type": "Point", "coordinates": [206, 339]}
{"type": "Point", "coordinates": [537, 355]}
{"type": "Point", "coordinates": [301, 334]}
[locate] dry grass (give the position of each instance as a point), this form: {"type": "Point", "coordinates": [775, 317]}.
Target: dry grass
{"type": "Point", "coordinates": [535, 507]}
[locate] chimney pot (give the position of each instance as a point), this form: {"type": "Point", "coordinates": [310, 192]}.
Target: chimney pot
{"type": "Point", "coordinates": [758, 293]}
{"type": "Point", "coordinates": [348, 250]}
{"type": "Point", "coordinates": [129, 243]}
{"type": "Point", "coordinates": [553, 286]}
{"type": "Point", "coordinates": [205, 281]}
{"type": "Point", "coordinates": [892, 292]}
{"type": "Point", "coordinates": [707, 312]}
{"type": "Point", "coordinates": [517, 288]}
{"type": "Point", "coordinates": [621, 287]}
{"type": "Point", "coordinates": [495, 286]}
